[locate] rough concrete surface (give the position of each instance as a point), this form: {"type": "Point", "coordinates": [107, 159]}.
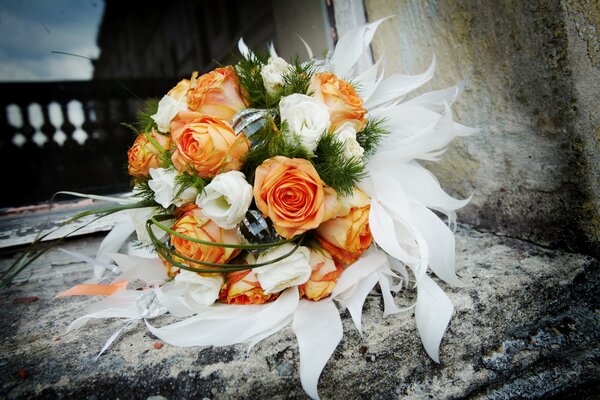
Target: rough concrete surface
{"type": "Point", "coordinates": [533, 88]}
{"type": "Point", "coordinates": [526, 325]}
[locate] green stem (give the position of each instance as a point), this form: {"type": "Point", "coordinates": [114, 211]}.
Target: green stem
{"type": "Point", "coordinates": [167, 253]}
{"type": "Point", "coordinates": [154, 142]}
{"type": "Point", "coordinates": [33, 253]}
{"type": "Point", "coordinates": [154, 220]}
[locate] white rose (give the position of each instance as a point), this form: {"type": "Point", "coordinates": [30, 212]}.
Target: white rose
{"type": "Point", "coordinates": [291, 271]}
{"type": "Point", "coordinates": [168, 108]}
{"type": "Point", "coordinates": [347, 135]}
{"type": "Point", "coordinates": [306, 117]}
{"type": "Point", "coordinates": [272, 74]}
{"type": "Point", "coordinates": [201, 289]}
{"type": "Point", "coordinates": [165, 188]}
{"type": "Point", "coordinates": [226, 199]}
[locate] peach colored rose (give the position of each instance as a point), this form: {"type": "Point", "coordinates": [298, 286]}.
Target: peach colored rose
{"type": "Point", "coordinates": [325, 273]}
{"type": "Point", "coordinates": [179, 91]}
{"type": "Point", "coordinates": [206, 145]}
{"type": "Point", "coordinates": [216, 93]}
{"type": "Point", "coordinates": [290, 192]}
{"type": "Point", "coordinates": [243, 288]}
{"type": "Point", "coordinates": [344, 104]}
{"type": "Point", "coordinates": [144, 155]}
{"type": "Point", "coordinates": [196, 225]}
{"type": "Point", "coordinates": [347, 236]}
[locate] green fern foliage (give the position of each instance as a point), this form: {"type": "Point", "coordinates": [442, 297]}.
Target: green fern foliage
{"type": "Point", "coordinates": [337, 170]}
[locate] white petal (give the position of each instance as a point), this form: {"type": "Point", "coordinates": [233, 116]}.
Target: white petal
{"type": "Point", "coordinates": [173, 301]}
{"type": "Point", "coordinates": [385, 233]}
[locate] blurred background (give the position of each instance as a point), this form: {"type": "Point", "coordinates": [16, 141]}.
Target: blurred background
{"type": "Point", "coordinates": [72, 71]}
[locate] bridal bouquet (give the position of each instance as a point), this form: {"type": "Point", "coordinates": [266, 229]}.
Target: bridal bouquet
{"type": "Point", "coordinates": [271, 192]}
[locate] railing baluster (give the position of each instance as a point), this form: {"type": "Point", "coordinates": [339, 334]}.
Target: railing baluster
{"type": "Point", "coordinates": [67, 136]}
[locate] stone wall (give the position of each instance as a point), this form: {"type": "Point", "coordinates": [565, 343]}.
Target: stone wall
{"type": "Point", "coordinates": [533, 88]}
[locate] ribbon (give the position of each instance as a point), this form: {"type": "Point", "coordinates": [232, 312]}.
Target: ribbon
{"type": "Point", "coordinates": [86, 289]}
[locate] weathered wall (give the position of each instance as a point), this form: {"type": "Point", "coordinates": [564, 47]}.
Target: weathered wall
{"type": "Point", "coordinates": [534, 91]}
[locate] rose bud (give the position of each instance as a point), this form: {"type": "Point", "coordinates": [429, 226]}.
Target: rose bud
{"type": "Point", "coordinates": [144, 154]}
{"type": "Point", "coordinates": [323, 278]}
{"type": "Point", "coordinates": [216, 93]}
{"type": "Point", "coordinates": [243, 287]}
{"type": "Point", "coordinates": [291, 271]}
{"type": "Point", "coordinates": [344, 104]}
{"type": "Point", "coordinates": [196, 225]}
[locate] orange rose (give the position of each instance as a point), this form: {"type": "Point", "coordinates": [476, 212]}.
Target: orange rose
{"type": "Point", "coordinates": [344, 104]}
{"type": "Point", "coordinates": [243, 288]}
{"type": "Point", "coordinates": [206, 145]}
{"type": "Point", "coordinates": [290, 192]}
{"type": "Point", "coordinates": [179, 91]}
{"type": "Point", "coordinates": [194, 224]}
{"type": "Point", "coordinates": [216, 93]}
{"type": "Point", "coordinates": [144, 155]}
{"type": "Point", "coordinates": [348, 235]}
{"type": "Point", "coordinates": [325, 273]}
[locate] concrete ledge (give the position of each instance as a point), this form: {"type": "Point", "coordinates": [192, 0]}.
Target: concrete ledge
{"type": "Point", "coordinates": [526, 326]}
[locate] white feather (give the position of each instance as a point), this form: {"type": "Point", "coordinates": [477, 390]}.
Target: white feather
{"type": "Point", "coordinates": [307, 47]}
{"type": "Point", "coordinates": [244, 50]}
{"type": "Point", "coordinates": [112, 243]}
{"type": "Point", "coordinates": [318, 328]}
{"type": "Point", "coordinates": [432, 313]}
{"type": "Point", "coordinates": [229, 326]}
{"type": "Point", "coordinates": [272, 51]}
{"type": "Point", "coordinates": [436, 100]}
{"type": "Point", "coordinates": [351, 46]}
{"type": "Point", "coordinates": [395, 86]}
{"type": "Point", "coordinates": [145, 269]}
{"type": "Point", "coordinates": [440, 240]}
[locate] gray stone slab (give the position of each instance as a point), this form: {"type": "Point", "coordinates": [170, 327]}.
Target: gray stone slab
{"type": "Point", "coordinates": [526, 325]}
